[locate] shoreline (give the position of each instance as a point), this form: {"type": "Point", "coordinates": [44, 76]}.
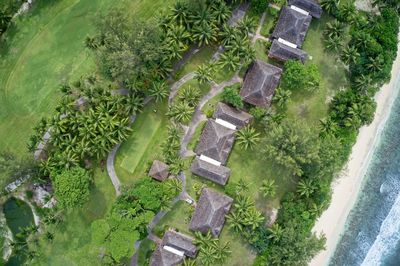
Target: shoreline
{"type": "Point", "coordinates": [345, 188]}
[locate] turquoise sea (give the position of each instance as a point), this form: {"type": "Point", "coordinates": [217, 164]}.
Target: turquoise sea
{"type": "Point", "coordinates": [372, 234]}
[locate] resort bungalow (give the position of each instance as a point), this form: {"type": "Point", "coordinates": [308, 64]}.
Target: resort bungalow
{"type": "Point", "coordinates": [216, 141]}
{"type": "Point", "coordinates": [260, 83]}
{"type": "Point", "coordinates": [173, 249]}
{"type": "Point", "coordinates": [211, 171]}
{"type": "Point", "coordinates": [312, 7]}
{"type": "Point", "coordinates": [232, 115]}
{"type": "Point", "coordinates": [283, 52]}
{"type": "Point", "coordinates": [159, 170]}
{"type": "Point", "coordinates": [292, 26]}
{"type": "Point", "coordinates": [210, 212]}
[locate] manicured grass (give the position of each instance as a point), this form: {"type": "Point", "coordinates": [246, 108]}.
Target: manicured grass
{"type": "Point", "coordinates": [261, 50]}
{"type": "Point", "coordinates": [201, 57]}
{"type": "Point", "coordinates": [72, 238]}
{"type": "Point", "coordinates": [223, 74]}
{"type": "Point", "coordinates": [269, 22]}
{"type": "Point", "coordinates": [251, 167]}
{"type": "Point", "coordinates": [311, 107]}
{"type": "Point", "coordinates": [144, 145]}
{"type": "Point", "coordinates": [195, 139]}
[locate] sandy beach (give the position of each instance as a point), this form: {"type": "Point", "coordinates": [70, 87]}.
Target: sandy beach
{"type": "Point", "coordinates": [346, 187]}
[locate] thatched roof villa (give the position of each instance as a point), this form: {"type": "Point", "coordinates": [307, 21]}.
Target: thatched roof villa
{"type": "Point", "coordinates": [283, 52]}
{"type": "Point", "coordinates": [216, 173]}
{"type": "Point", "coordinates": [310, 6]}
{"type": "Point", "coordinates": [292, 26]}
{"type": "Point", "coordinates": [173, 249]}
{"type": "Point", "coordinates": [216, 141]}
{"type": "Point", "coordinates": [210, 212]}
{"type": "Point", "coordinates": [232, 115]}
{"type": "Point", "coordinates": [159, 170]}
{"type": "Point", "coordinates": [260, 83]}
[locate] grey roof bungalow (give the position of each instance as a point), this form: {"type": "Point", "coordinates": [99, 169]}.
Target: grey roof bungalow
{"type": "Point", "coordinates": [260, 83]}
{"type": "Point", "coordinates": [210, 212]}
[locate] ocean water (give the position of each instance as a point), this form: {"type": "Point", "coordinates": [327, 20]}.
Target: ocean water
{"type": "Point", "coordinates": [372, 234]}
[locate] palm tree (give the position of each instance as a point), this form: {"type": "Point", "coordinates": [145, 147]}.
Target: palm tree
{"type": "Point", "coordinates": [133, 104]}
{"type": "Point", "coordinates": [333, 44]}
{"type": "Point", "coordinates": [178, 35]}
{"type": "Point", "coordinates": [363, 82]}
{"type": "Point", "coordinates": [306, 187]}
{"type": "Point", "coordinates": [189, 262]}
{"type": "Point", "coordinates": [173, 51]}
{"type": "Point", "coordinates": [191, 95]}
{"type": "Point", "coordinates": [4, 20]}
{"type": "Point", "coordinates": [268, 188]}
{"type": "Point", "coordinates": [180, 12]}
{"type": "Point", "coordinates": [181, 112]}
{"type": "Point", "coordinates": [241, 186]}
{"type": "Point", "coordinates": [247, 137]}
{"type": "Point", "coordinates": [204, 73]}
{"type": "Point", "coordinates": [228, 34]}
{"type": "Point", "coordinates": [362, 39]}
{"type": "Point", "coordinates": [330, 6]}
{"type": "Point", "coordinates": [375, 64]}
{"type": "Point", "coordinates": [91, 43]}
{"type": "Point", "coordinates": [175, 185]}
{"type": "Point", "coordinates": [229, 60]}
{"type": "Point", "coordinates": [221, 251]}
{"type": "Point", "coordinates": [208, 255]}
{"type": "Point", "coordinates": [334, 28]}
{"type": "Point", "coordinates": [282, 97]}
{"type": "Point", "coordinates": [327, 126]}
{"type": "Point", "coordinates": [275, 232]}
{"type": "Point", "coordinates": [159, 91]}
{"type": "Point", "coordinates": [246, 25]}
{"type": "Point", "coordinates": [235, 222]}
{"type": "Point", "coordinates": [253, 218]}
{"type": "Point", "coordinates": [220, 12]}
{"type": "Point", "coordinates": [347, 11]}
{"type": "Point", "coordinates": [243, 203]}
{"type": "Point", "coordinates": [203, 240]}
{"type": "Point", "coordinates": [204, 34]}
{"type": "Point", "coordinates": [349, 55]}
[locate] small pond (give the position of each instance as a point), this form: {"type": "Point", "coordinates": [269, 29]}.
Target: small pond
{"type": "Point", "coordinates": [18, 215]}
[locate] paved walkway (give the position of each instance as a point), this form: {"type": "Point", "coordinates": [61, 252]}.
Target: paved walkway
{"type": "Point", "coordinates": [257, 35]}
{"type": "Point", "coordinates": [175, 87]}
{"type": "Point", "coordinates": [111, 170]}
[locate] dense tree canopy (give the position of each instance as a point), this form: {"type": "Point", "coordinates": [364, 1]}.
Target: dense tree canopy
{"type": "Point", "coordinates": [291, 145]}
{"type": "Point", "coordinates": [299, 77]}
{"type": "Point", "coordinates": [129, 47]}
{"type": "Point", "coordinates": [72, 187]}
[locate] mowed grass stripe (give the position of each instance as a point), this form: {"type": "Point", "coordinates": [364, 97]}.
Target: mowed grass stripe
{"type": "Point", "coordinates": [133, 149]}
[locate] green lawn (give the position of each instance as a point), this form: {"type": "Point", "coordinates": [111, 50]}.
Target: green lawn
{"type": "Point", "coordinates": [44, 49]}
{"type": "Point", "coordinates": [201, 57]}
{"type": "Point", "coordinates": [310, 107]}
{"type": "Point", "coordinates": [72, 238]}
{"type": "Point", "coordinates": [144, 145]}
{"type": "Point", "coordinates": [269, 22]}
{"type": "Point", "coordinates": [261, 50]}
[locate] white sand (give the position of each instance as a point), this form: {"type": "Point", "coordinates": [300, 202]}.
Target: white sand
{"type": "Point", "coordinates": [346, 188]}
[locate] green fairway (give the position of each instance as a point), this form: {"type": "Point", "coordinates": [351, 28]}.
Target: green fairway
{"type": "Point", "coordinates": [145, 129]}
{"type": "Point", "coordinates": [44, 49]}
{"type": "Point", "coordinates": [144, 145]}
